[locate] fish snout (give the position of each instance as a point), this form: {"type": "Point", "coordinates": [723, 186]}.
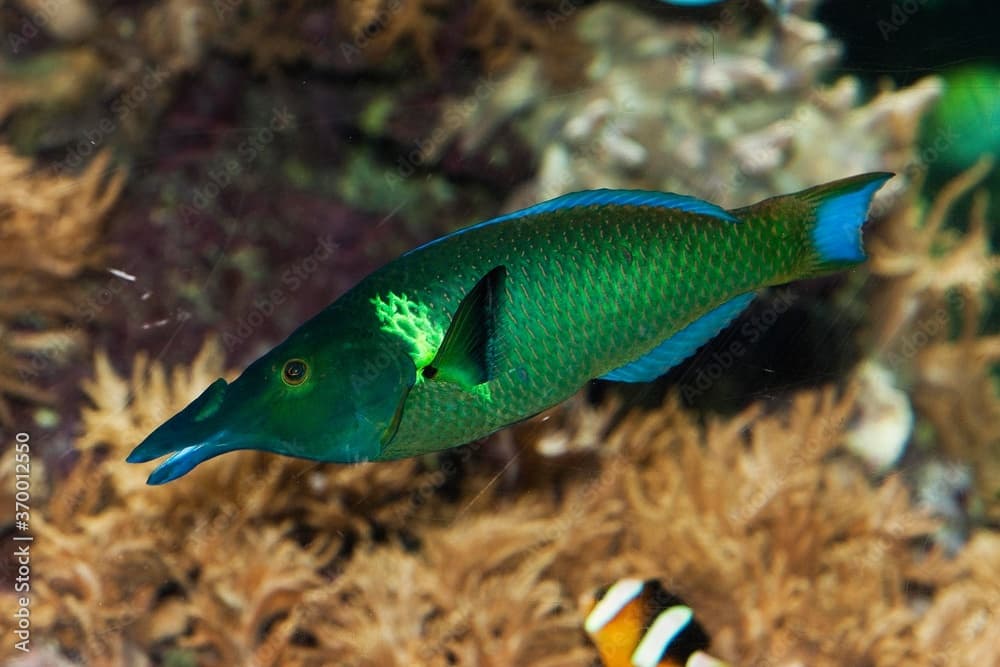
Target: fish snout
{"type": "Point", "coordinates": [187, 428]}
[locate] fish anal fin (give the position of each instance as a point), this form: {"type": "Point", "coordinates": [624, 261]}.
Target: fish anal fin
{"type": "Point", "coordinates": [682, 344]}
{"type": "Point", "coordinates": [467, 356]}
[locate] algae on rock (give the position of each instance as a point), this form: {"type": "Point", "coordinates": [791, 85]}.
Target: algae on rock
{"type": "Point", "coordinates": [720, 111]}
{"type": "Point", "coordinates": [786, 549]}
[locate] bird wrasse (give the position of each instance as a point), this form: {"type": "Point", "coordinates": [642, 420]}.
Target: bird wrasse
{"type": "Point", "coordinates": [500, 320]}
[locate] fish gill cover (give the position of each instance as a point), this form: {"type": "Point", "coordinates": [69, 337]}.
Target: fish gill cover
{"type": "Point", "coordinates": [182, 183]}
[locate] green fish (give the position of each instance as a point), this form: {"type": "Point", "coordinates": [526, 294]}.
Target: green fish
{"type": "Point", "coordinates": [493, 323]}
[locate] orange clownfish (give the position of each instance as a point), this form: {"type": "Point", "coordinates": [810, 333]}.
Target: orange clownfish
{"type": "Point", "coordinates": [638, 623]}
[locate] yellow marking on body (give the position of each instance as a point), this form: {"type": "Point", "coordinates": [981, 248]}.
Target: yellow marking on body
{"type": "Point", "coordinates": [483, 392]}
{"type": "Point", "coordinates": [411, 321]}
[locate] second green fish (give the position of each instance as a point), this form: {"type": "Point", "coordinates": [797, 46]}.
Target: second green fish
{"type": "Point", "coordinates": [498, 321]}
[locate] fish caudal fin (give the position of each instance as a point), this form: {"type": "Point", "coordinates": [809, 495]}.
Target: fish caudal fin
{"type": "Point", "coordinates": [839, 211]}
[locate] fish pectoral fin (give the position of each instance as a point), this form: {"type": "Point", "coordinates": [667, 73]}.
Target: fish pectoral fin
{"type": "Point", "coordinates": [390, 430]}
{"type": "Point", "coordinates": [467, 355]}
{"type": "Point", "coordinates": [382, 411]}
{"type": "Point", "coordinates": [682, 344]}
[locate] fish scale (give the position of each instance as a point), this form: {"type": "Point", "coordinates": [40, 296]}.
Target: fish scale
{"type": "Point", "coordinates": [594, 329]}
{"type": "Point", "coordinates": [498, 321]}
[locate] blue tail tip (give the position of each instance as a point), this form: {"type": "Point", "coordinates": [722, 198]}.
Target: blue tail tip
{"type": "Point", "coordinates": [839, 219]}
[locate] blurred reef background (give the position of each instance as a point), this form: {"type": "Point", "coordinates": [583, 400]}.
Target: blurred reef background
{"type": "Point", "coordinates": [183, 183]}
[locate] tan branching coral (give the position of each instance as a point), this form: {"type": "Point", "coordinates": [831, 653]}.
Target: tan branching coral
{"type": "Point", "coordinates": [786, 549]}
{"type": "Point", "coordinates": [237, 611]}
{"type": "Point", "coordinates": [665, 107]}
{"type": "Point", "coordinates": [55, 220]}
{"type": "Point", "coordinates": [377, 27]}
{"type": "Point", "coordinates": [63, 19]}
{"type": "Point", "coordinates": [499, 31]}
{"type": "Point", "coordinates": [502, 31]}
{"type": "Point", "coordinates": [239, 544]}
{"type": "Point", "coordinates": [50, 231]}
{"type": "Point", "coordinates": [922, 260]}
{"type": "Point", "coordinates": [58, 78]}
{"type": "Point", "coordinates": [935, 284]}
{"type": "Point", "coordinates": [176, 34]}
{"type": "Point", "coordinates": [495, 603]}
{"type": "Point", "coordinates": [959, 626]}
{"type": "Point", "coordinates": [752, 521]}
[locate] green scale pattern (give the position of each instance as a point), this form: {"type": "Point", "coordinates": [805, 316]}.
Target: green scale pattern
{"type": "Point", "coordinates": [590, 283]}
{"type": "Point", "coordinates": [588, 290]}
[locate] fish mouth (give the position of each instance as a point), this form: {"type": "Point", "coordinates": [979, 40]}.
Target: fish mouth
{"type": "Point", "coordinates": [184, 458]}
{"type": "Point", "coordinates": [183, 461]}
{"type": "Point", "coordinates": [190, 437]}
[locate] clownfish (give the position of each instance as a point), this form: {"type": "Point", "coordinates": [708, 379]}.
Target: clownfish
{"type": "Point", "coordinates": [636, 623]}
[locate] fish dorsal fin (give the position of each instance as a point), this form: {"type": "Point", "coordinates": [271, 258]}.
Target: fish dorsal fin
{"type": "Point", "coordinates": [682, 344]}
{"type": "Point", "coordinates": [467, 355]}
{"type": "Point", "coordinates": [604, 197]}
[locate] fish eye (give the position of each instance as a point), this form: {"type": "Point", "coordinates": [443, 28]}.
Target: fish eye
{"type": "Point", "coordinates": [294, 372]}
